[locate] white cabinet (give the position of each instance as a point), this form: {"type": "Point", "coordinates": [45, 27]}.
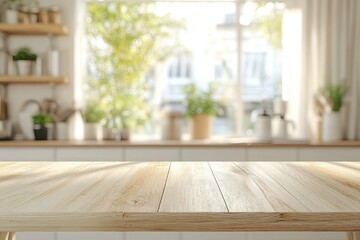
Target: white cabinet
{"type": "Point", "coordinates": [35, 236]}
{"type": "Point", "coordinates": [296, 236]}
{"type": "Point", "coordinates": [152, 154]}
{"type": "Point", "coordinates": [152, 236]}
{"type": "Point", "coordinates": [272, 154]}
{"type": "Point", "coordinates": [89, 236]}
{"type": "Point", "coordinates": [214, 236]}
{"type": "Point", "coordinates": [213, 154]}
{"type": "Point", "coordinates": [329, 154]}
{"type": "Point", "coordinates": [27, 154]}
{"type": "Point", "coordinates": [89, 154]}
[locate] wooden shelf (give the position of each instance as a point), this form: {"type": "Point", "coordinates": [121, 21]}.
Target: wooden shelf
{"type": "Point", "coordinates": [34, 29]}
{"type": "Point", "coordinates": [32, 80]}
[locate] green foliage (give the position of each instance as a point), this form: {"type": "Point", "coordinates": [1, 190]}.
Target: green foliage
{"type": "Point", "coordinates": [41, 118]}
{"type": "Point", "coordinates": [93, 113]}
{"type": "Point", "coordinates": [334, 95]}
{"type": "Point", "coordinates": [270, 24]}
{"type": "Point", "coordinates": [201, 102]}
{"type": "Point", "coordinates": [124, 41]}
{"type": "Point", "coordinates": [11, 4]}
{"type": "Point", "coordinates": [24, 54]}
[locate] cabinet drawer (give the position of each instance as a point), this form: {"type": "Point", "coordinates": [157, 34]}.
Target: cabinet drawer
{"type": "Point", "coordinates": [152, 236]}
{"type": "Point", "coordinates": [89, 236]}
{"type": "Point", "coordinates": [329, 154]}
{"type": "Point", "coordinates": [296, 236]}
{"type": "Point", "coordinates": [89, 154]}
{"type": "Point", "coordinates": [27, 154]}
{"type": "Point", "coordinates": [213, 154]}
{"type": "Point", "coordinates": [214, 236]}
{"type": "Point", "coordinates": [152, 154]}
{"type": "Point", "coordinates": [35, 236]}
{"type": "Point", "coordinates": [272, 154]}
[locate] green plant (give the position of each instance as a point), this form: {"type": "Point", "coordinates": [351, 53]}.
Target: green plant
{"type": "Point", "coordinates": [334, 95]}
{"type": "Point", "coordinates": [93, 113]}
{"type": "Point", "coordinates": [12, 4]}
{"type": "Point", "coordinates": [201, 102]}
{"type": "Point", "coordinates": [41, 118]}
{"type": "Point", "coordinates": [268, 20]}
{"type": "Point", "coordinates": [24, 54]}
{"type": "Point", "coordinates": [133, 38]}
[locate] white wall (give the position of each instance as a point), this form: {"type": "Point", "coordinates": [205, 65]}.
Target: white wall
{"type": "Point", "coordinates": [64, 94]}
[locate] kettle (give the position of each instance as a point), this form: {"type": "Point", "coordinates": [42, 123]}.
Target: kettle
{"type": "Point", "coordinates": [280, 127]}
{"type": "Point", "coordinates": [263, 126]}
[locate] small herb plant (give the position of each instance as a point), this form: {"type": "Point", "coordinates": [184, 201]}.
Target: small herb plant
{"type": "Point", "coordinates": [12, 4]}
{"type": "Point", "coordinates": [41, 119]}
{"type": "Point", "coordinates": [201, 102]}
{"type": "Point", "coordinates": [334, 95]}
{"type": "Point", "coordinates": [93, 113]}
{"type": "Point", "coordinates": [24, 54]}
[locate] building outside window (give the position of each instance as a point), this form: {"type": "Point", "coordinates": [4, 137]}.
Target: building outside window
{"type": "Point", "coordinates": [235, 44]}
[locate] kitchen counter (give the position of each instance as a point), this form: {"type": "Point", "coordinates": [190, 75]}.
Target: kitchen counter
{"type": "Point", "coordinates": [185, 143]}
{"type": "Point", "coordinates": [179, 196]}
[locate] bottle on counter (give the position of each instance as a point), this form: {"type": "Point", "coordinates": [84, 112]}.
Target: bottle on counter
{"type": "Point", "coordinates": [53, 62]}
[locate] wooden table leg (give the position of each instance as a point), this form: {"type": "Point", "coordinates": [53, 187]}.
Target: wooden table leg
{"type": "Point", "coordinates": [353, 236]}
{"type": "Point", "coordinates": [7, 236]}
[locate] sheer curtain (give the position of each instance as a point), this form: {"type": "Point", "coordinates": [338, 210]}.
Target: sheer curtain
{"type": "Point", "coordinates": [321, 42]}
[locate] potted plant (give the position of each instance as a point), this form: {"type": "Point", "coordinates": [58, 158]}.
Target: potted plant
{"type": "Point", "coordinates": [92, 117]}
{"type": "Point", "coordinates": [201, 107]}
{"type": "Point", "coordinates": [24, 59]}
{"type": "Point", "coordinates": [40, 129]}
{"type": "Point", "coordinates": [11, 10]}
{"type": "Point", "coordinates": [333, 98]}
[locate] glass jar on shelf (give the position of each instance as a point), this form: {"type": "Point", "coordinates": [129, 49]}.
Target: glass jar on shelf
{"type": "Point", "coordinates": [55, 16]}
{"type": "Point", "coordinates": [43, 16]}
{"type": "Point", "coordinates": [24, 16]}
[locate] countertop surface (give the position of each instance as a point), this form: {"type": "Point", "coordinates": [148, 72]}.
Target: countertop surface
{"type": "Point", "coordinates": [185, 143]}
{"type": "Point", "coordinates": [179, 196]}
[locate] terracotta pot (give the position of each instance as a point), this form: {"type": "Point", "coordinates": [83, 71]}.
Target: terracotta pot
{"type": "Point", "coordinates": [201, 126]}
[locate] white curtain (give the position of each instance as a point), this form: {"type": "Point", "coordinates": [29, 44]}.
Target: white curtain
{"type": "Point", "coordinates": [321, 42]}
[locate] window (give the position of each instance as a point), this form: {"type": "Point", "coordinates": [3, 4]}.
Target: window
{"type": "Point", "coordinates": [166, 45]}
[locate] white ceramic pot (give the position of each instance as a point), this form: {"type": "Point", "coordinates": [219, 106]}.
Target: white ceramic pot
{"type": "Point", "coordinates": [24, 68]}
{"type": "Point", "coordinates": [92, 131]}
{"type": "Point", "coordinates": [62, 131]}
{"type": "Point", "coordinates": [11, 16]}
{"type": "Point", "coordinates": [332, 127]}
{"type": "Point", "coordinates": [263, 127]}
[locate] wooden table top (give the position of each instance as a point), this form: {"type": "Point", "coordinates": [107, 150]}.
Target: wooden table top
{"type": "Point", "coordinates": [179, 196]}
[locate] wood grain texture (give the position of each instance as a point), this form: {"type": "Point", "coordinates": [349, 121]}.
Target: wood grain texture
{"type": "Point", "coordinates": [34, 29]}
{"type": "Point", "coordinates": [179, 196]}
{"type": "Point", "coordinates": [7, 236]}
{"type": "Point", "coordinates": [353, 236]}
{"type": "Point", "coordinates": [191, 187]}
{"type": "Point", "coordinates": [33, 80]}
